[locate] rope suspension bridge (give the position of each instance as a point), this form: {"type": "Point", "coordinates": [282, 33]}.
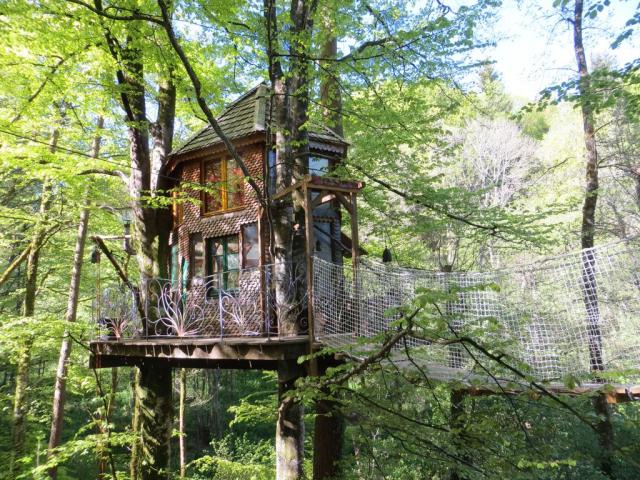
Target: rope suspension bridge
{"type": "Point", "coordinates": [574, 315]}
{"type": "Point", "coordinates": [571, 315]}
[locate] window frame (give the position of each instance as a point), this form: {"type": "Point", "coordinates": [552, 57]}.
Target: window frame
{"type": "Point", "coordinates": [177, 209]}
{"type": "Point", "coordinates": [243, 239]}
{"type": "Point", "coordinates": [225, 262]}
{"type": "Point", "coordinates": [224, 189]}
{"type": "Point", "coordinates": [193, 265]}
{"type": "Point", "coordinates": [320, 156]}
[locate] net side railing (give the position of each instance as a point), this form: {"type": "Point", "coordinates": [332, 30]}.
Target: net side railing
{"type": "Point", "coordinates": [568, 315]}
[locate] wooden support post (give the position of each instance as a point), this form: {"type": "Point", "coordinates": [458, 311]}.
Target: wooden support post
{"type": "Point", "coordinates": [290, 426]}
{"type": "Point", "coordinates": [156, 418]}
{"type": "Point", "coordinates": [355, 244]}
{"type": "Point", "coordinates": [355, 250]}
{"type": "Point", "coordinates": [310, 251]}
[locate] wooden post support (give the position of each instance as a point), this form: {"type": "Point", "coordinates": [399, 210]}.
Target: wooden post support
{"type": "Point", "coordinates": [310, 250]}
{"type": "Point", "coordinates": [355, 244]}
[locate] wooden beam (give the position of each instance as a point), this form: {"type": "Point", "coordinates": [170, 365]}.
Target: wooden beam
{"type": "Point", "coordinates": [355, 249]}
{"type": "Point", "coordinates": [345, 203]}
{"type": "Point", "coordinates": [310, 251]}
{"type": "Point", "coordinates": [239, 352]}
{"type": "Point", "coordinates": [323, 197]}
{"type": "Point", "coordinates": [290, 189]}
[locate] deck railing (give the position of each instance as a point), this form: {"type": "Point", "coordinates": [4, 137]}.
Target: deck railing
{"type": "Point", "coordinates": [235, 303]}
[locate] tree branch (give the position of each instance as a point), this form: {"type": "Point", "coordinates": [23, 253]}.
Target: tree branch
{"type": "Point", "coordinates": [100, 171]}
{"type": "Point", "coordinates": [134, 16]}
{"type": "Point", "coordinates": [492, 229]}
{"type": "Point", "coordinates": [197, 87]}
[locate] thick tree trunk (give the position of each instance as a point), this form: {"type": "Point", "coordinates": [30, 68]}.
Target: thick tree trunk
{"type": "Point", "coordinates": [328, 440]}
{"type": "Point", "coordinates": [18, 427]}
{"type": "Point", "coordinates": [328, 436]}
{"type": "Point", "coordinates": [59, 389]}
{"type": "Point", "coordinates": [156, 419]}
{"type": "Point", "coordinates": [290, 426]}
{"type": "Point", "coordinates": [330, 94]}
{"type": "Point", "coordinates": [151, 225]}
{"type": "Point", "coordinates": [329, 425]}
{"type": "Point", "coordinates": [590, 292]}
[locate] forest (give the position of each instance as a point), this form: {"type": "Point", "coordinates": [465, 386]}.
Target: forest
{"type": "Point", "coordinates": [442, 275]}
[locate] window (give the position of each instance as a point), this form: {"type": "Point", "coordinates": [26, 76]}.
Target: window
{"type": "Point", "coordinates": [196, 256]}
{"type": "Point", "coordinates": [223, 262]}
{"type": "Point", "coordinates": [250, 246]}
{"type": "Point", "coordinates": [177, 208]}
{"type": "Point", "coordinates": [175, 264]}
{"type": "Point", "coordinates": [318, 166]}
{"type": "Point", "coordinates": [271, 174]}
{"type": "Point", "coordinates": [224, 184]}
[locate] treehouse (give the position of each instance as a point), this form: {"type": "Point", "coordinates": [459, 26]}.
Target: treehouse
{"type": "Point", "coordinates": [221, 303]}
{"type": "Point", "coordinates": [230, 304]}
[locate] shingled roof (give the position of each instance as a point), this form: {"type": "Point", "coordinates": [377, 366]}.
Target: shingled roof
{"type": "Point", "coordinates": [249, 114]}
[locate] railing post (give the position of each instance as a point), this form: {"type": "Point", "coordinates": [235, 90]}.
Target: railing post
{"type": "Point", "coordinates": [264, 298]}
{"type": "Point", "coordinates": [355, 251]}
{"type": "Point", "coordinates": [145, 310]}
{"type": "Point", "coordinates": [220, 311]}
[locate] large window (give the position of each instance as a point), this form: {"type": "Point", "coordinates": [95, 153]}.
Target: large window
{"type": "Point", "coordinates": [224, 185]}
{"type": "Point", "coordinates": [223, 262]}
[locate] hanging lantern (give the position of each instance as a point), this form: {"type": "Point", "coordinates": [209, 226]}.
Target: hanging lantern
{"type": "Point", "coordinates": [386, 255]}
{"type": "Point", "coordinates": [126, 224]}
{"type": "Point", "coordinates": [95, 255]}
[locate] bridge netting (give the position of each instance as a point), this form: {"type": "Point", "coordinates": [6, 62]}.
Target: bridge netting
{"type": "Point", "coordinates": [568, 315]}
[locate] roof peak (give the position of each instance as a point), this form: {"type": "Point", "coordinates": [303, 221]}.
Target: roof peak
{"type": "Point", "coordinates": [248, 93]}
{"type": "Point", "coordinates": [246, 115]}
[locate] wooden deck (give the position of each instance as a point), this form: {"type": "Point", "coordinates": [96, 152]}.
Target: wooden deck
{"type": "Point", "coordinates": [192, 352]}
{"type": "Point", "coordinates": [266, 353]}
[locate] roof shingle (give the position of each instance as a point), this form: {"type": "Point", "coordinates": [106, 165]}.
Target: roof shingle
{"type": "Point", "coordinates": [246, 115]}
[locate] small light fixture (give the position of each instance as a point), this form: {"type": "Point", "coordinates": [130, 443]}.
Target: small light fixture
{"type": "Point", "coordinates": [125, 217]}
{"type": "Point", "coordinates": [95, 255]}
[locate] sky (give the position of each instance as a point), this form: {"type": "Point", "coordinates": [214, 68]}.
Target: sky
{"type": "Point", "coordinates": [533, 51]}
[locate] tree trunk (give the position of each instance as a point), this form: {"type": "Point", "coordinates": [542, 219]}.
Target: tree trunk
{"type": "Point", "coordinates": [589, 285]}
{"type": "Point", "coordinates": [329, 425]}
{"type": "Point", "coordinates": [330, 94]}
{"type": "Point", "coordinates": [328, 437]}
{"type": "Point", "coordinates": [156, 419]}
{"type": "Point", "coordinates": [136, 446]}
{"type": "Point", "coordinates": [18, 427]}
{"type": "Point", "coordinates": [59, 389]}
{"type": "Point", "coordinates": [290, 426]}
{"type": "Point", "coordinates": [183, 397]}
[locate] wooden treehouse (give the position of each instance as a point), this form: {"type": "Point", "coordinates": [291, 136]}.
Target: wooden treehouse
{"type": "Point", "coordinates": [221, 307]}
{"type": "Point", "coordinates": [228, 304]}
